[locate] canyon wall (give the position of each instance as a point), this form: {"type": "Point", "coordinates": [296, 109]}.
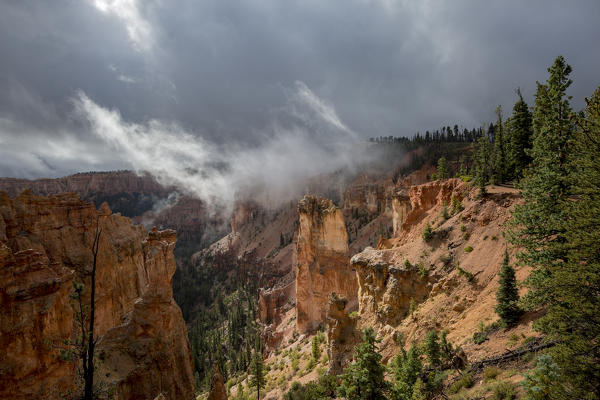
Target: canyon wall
{"type": "Point", "coordinates": [45, 245]}
{"type": "Point", "coordinates": [322, 262]}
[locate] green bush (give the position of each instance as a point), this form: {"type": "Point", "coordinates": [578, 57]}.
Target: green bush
{"type": "Point", "coordinates": [427, 234]}
{"type": "Point", "coordinates": [490, 373]}
{"type": "Point", "coordinates": [468, 249]}
{"type": "Point", "coordinates": [464, 273]}
{"type": "Point", "coordinates": [504, 391]}
{"type": "Point", "coordinates": [407, 263]}
{"type": "Point", "coordinates": [479, 337]}
{"type": "Point", "coordinates": [463, 228]}
{"type": "Point", "coordinates": [422, 271]}
{"type": "Point", "coordinates": [465, 381]}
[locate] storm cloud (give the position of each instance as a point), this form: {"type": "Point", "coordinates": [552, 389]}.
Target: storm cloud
{"type": "Point", "coordinates": [226, 75]}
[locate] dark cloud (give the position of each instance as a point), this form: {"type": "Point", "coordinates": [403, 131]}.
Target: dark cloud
{"type": "Point", "coordinates": [224, 70]}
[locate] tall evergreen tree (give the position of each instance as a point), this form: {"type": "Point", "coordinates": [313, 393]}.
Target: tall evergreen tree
{"type": "Point", "coordinates": [508, 295]}
{"type": "Point", "coordinates": [573, 312]}
{"type": "Point", "coordinates": [537, 225]}
{"type": "Point", "coordinates": [500, 164]}
{"type": "Point", "coordinates": [364, 379]}
{"type": "Point", "coordinates": [520, 138]}
{"type": "Point", "coordinates": [442, 169]}
{"type": "Point", "coordinates": [432, 348]}
{"type": "Point", "coordinates": [482, 163]}
{"type": "Point", "coordinates": [257, 372]}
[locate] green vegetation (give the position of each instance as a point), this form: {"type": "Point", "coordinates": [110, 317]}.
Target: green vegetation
{"type": "Point", "coordinates": [468, 249]}
{"type": "Point", "coordinates": [364, 377]}
{"type": "Point", "coordinates": [257, 372]}
{"type": "Point", "coordinates": [465, 381]}
{"type": "Point", "coordinates": [504, 391]}
{"type": "Point", "coordinates": [557, 227]}
{"type": "Point", "coordinates": [431, 348]}
{"type": "Point", "coordinates": [427, 233]}
{"type": "Point", "coordinates": [470, 277]}
{"type": "Point", "coordinates": [508, 295]}
{"type": "Point", "coordinates": [490, 373]}
{"type": "Point", "coordinates": [455, 205]}
{"type": "Point", "coordinates": [422, 270]}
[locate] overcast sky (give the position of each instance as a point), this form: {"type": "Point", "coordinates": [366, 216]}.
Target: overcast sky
{"type": "Point", "coordinates": [222, 74]}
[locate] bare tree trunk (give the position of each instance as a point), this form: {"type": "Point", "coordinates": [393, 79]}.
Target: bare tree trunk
{"type": "Point", "coordinates": [89, 368]}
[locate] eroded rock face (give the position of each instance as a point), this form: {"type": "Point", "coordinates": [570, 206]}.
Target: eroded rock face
{"type": "Point", "coordinates": [273, 303]}
{"type": "Point", "coordinates": [409, 206]}
{"type": "Point", "coordinates": [217, 386]}
{"type": "Point", "coordinates": [45, 244]}
{"type": "Point", "coordinates": [342, 334]}
{"type": "Point", "coordinates": [386, 290]}
{"type": "Point", "coordinates": [322, 267]}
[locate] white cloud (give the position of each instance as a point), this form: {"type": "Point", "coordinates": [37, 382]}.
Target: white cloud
{"type": "Point", "coordinates": [138, 28]}
{"type": "Point", "coordinates": [274, 170]}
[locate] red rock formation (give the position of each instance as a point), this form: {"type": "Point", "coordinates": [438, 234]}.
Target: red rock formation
{"type": "Point", "coordinates": [322, 267]}
{"type": "Point", "coordinates": [342, 334]}
{"type": "Point", "coordinates": [273, 303]}
{"type": "Point", "coordinates": [422, 198]}
{"type": "Point", "coordinates": [45, 243]}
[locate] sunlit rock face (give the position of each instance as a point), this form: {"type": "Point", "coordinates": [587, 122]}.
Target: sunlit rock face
{"type": "Point", "coordinates": [323, 262]}
{"type": "Point", "coordinates": [45, 245]}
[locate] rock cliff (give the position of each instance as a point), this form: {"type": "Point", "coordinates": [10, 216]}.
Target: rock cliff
{"type": "Point", "coordinates": [322, 262]}
{"type": "Point", "coordinates": [385, 289]}
{"type": "Point", "coordinates": [342, 334]}
{"type": "Point", "coordinates": [45, 244]}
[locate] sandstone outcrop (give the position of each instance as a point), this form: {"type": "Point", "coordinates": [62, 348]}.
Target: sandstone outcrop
{"type": "Point", "coordinates": [273, 303]}
{"type": "Point", "coordinates": [410, 206]}
{"type": "Point", "coordinates": [217, 386]}
{"type": "Point", "coordinates": [45, 244]}
{"type": "Point", "coordinates": [342, 334]}
{"type": "Point", "coordinates": [322, 262]}
{"type": "Point", "coordinates": [386, 290]}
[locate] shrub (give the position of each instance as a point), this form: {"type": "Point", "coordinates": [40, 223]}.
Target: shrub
{"type": "Point", "coordinates": [490, 373]}
{"type": "Point", "coordinates": [427, 234]}
{"type": "Point", "coordinates": [445, 214]}
{"type": "Point", "coordinates": [504, 391]}
{"type": "Point", "coordinates": [463, 228]}
{"type": "Point", "coordinates": [407, 263]}
{"type": "Point", "coordinates": [456, 205]}
{"type": "Point", "coordinates": [466, 178]}
{"type": "Point", "coordinates": [465, 381]}
{"type": "Point", "coordinates": [464, 273]}
{"type": "Point", "coordinates": [479, 337]}
{"type": "Point", "coordinates": [353, 315]}
{"type": "Point", "coordinates": [422, 271]}
{"type": "Point", "coordinates": [412, 306]}
{"type": "Point", "coordinates": [468, 249]}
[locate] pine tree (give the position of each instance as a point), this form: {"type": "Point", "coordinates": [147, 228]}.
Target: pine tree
{"type": "Point", "coordinates": [432, 348]}
{"type": "Point", "coordinates": [538, 225]}
{"type": "Point", "coordinates": [508, 295]}
{"type": "Point", "coordinates": [442, 169]}
{"type": "Point", "coordinates": [520, 137]}
{"type": "Point", "coordinates": [407, 367]}
{"type": "Point", "coordinates": [540, 384]}
{"type": "Point", "coordinates": [427, 233]}
{"type": "Point", "coordinates": [482, 164]}
{"type": "Point", "coordinates": [316, 350]}
{"type": "Point", "coordinates": [499, 150]}
{"type": "Point", "coordinates": [573, 312]}
{"type": "Point", "coordinates": [364, 377]}
{"type": "Point", "coordinates": [257, 373]}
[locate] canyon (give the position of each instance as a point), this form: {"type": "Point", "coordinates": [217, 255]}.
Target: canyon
{"type": "Point", "coordinates": [45, 246]}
